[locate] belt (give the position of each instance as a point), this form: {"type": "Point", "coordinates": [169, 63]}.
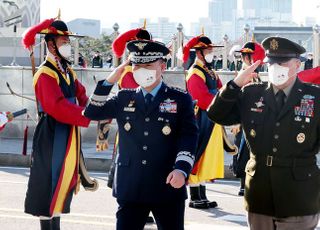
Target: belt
{"type": "Point", "coordinates": [274, 161]}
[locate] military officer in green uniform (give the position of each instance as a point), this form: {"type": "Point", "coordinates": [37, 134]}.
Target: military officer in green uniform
{"type": "Point", "coordinates": [281, 122]}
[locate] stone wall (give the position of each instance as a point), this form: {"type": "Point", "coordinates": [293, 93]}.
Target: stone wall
{"type": "Point", "coordinates": [20, 80]}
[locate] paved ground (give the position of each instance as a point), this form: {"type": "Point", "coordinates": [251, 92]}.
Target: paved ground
{"type": "Point", "coordinates": [96, 211]}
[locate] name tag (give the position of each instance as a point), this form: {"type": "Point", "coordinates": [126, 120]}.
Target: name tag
{"type": "Point", "coordinates": [129, 109]}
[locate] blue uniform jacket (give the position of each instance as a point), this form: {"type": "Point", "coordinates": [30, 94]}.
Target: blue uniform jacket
{"type": "Point", "coordinates": [152, 141]}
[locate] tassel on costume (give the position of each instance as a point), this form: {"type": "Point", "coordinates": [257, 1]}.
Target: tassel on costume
{"type": "Point", "coordinates": [102, 135]}
{"type": "Point", "coordinates": [78, 185]}
{"type": "Point", "coordinates": [25, 141]}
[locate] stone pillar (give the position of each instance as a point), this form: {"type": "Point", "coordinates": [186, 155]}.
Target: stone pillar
{"type": "Point", "coordinates": [179, 45]}
{"type": "Point", "coordinates": [225, 53]}
{"type": "Point", "coordinates": [316, 45]}
{"type": "Point", "coordinates": [246, 29]}
{"type": "Point", "coordinates": [43, 50]}
{"type": "Point", "coordinates": [115, 34]}
{"type": "Point", "coordinates": [174, 51]}
{"type": "Point", "coordinates": [76, 52]}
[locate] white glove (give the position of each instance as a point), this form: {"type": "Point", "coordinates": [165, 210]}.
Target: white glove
{"type": "Point", "coordinates": [3, 118]}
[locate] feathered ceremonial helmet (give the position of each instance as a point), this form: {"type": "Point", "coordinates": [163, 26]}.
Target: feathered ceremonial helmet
{"type": "Point", "coordinates": [50, 27]}
{"type": "Point", "coordinates": [255, 49]}
{"type": "Point", "coordinates": [198, 43]}
{"type": "Point", "coordinates": [119, 44]}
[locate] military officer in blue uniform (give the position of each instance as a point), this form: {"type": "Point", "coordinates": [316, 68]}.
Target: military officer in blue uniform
{"type": "Point", "coordinates": [157, 140]}
{"type": "Point", "coordinates": [281, 122]}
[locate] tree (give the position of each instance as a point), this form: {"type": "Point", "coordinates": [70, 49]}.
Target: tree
{"type": "Point", "coordinates": [88, 46]}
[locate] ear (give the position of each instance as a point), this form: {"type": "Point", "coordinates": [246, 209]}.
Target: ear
{"type": "Point", "coordinates": [163, 66]}
{"type": "Point", "coordinates": [298, 64]}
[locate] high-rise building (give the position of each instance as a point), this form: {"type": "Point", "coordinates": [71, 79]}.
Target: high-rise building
{"type": "Point", "coordinates": [278, 10]}
{"type": "Point", "coordinates": [222, 10]}
{"type": "Point", "coordinates": [161, 30]}
{"type": "Point", "coordinates": [87, 27]}
{"type": "Point", "coordinates": [29, 11]}
{"type": "Point", "coordinates": [11, 50]}
{"type": "Point", "coordinates": [222, 15]}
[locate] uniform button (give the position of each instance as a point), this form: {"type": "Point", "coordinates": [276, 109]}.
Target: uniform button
{"type": "Point", "coordinates": [119, 163]}
{"type": "Point", "coordinates": [274, 150]}
{"type": "Point", "coordinates": [147, 119]}
{"type": "Point", "coordinates": [144, 162]}
{"type": "Point", "coordinates": [276, 136]}
{"type": "Point", "coordinates": [146, 133]}
{"type": "Point", "coordinates": [278, 124]}
{"type": "Point", "coordinates": [145, 147]}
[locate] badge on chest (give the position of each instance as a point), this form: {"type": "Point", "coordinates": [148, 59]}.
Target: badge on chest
{"type": "Point", "coordinates": [258, 108]}
{"type": "Point", "coordinates": [130, 108]}
{"type": "Point", "coordinates": [168, 106]}
{"type": "Point", "coordinates": [305, 111]}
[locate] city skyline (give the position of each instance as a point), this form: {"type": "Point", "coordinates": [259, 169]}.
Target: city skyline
{"type": "Point", "coordinates": [177, 11]}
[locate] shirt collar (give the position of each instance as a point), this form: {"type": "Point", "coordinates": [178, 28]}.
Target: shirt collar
{"type": "Point", "coordinates": [199, 62]}
{"type": "Point", "coordinates": [286, 90]}
{"type": "Point", "coordinates": [154, 91]}
{"type": "Point", "coordinates": [52, 59]}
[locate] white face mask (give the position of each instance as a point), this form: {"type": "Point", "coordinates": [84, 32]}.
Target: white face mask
{"type": "Point", "coordinates": [65, 51]}
{"type": "Point", "coordinates": [278, 74]}
{"type": "Point", "coordinates": [145, 77]}
{"type": "Point", "coordinates": [209, 57]}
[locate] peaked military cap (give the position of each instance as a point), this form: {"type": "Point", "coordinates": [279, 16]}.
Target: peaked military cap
{"type": "Point", "coordinates": [279, 49]}
{"type": "Point", "coordinates": [144, 51]}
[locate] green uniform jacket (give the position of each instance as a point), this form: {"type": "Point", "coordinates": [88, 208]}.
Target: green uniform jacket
{"type": "Point", "coordinates": [283, 178]}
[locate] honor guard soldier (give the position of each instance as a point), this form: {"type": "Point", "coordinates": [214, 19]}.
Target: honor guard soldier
{"type": "Point", "coordinates": [250, 53]}
{"type": "Point", "coordinates": [281, 122]}
{"type": "Point", "coordinates": [61, 98]}
{"type": "Point", "coordinates": [203, 83]}
{"type": "Point", "coordinates": [157, 140]}
{"type": "Point", "coordinates": [310, 75]}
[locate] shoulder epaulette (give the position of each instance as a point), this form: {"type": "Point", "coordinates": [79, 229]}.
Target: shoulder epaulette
{"type": "Point", "coordinates": [314, 85]}
{"type": "Point", "coordinates": [178, 89]}
{"type": "Point", "coordinates": [255, 84]}
{"type": "Point", "coordinates": [127, 90]}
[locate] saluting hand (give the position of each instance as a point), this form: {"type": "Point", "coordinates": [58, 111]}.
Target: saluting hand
{"type": "Point", "coordinates": [176, 179]}
{"type": "Point", "coordinates": [246, 76]}
{"type": "Point", "coordinates": [117, 72]}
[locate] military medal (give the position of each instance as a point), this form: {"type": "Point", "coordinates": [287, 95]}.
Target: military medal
{"type": "Point", "coordinates": [127, 126]}
{"type": "Point", "coordinates": [131, 103]}
{"type": "Point", "coordinates": [166, 130]}
{"type": "Point", "coordinates": [252, 133]}
{"type": "Point", "coordinates": [301, 137]}
{"type": "Point", "coordinates": [297, 118]}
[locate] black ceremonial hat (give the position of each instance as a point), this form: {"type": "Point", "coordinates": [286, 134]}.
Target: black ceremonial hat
{"type": "Point", "coordinates": [144, 51]}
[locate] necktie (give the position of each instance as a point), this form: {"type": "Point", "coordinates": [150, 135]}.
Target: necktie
{"type": "Point", "coordinates": [280, 98]}
{"type": "Point", "coordinates": [148, 99]}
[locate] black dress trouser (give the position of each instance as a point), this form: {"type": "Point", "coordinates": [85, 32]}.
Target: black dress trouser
{"type": "Point", "coordinates": [133, 216]}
